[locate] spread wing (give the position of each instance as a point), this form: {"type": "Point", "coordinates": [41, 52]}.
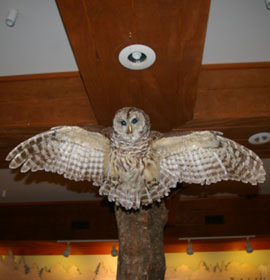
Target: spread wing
{"type": "Point", "coordinates": [205, 157]}
{"type": "Point", "coordinates": [71, 151]}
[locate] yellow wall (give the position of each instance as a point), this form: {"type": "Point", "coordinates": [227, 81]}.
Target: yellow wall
{"type": "Point", "coordinates": [199, 266]}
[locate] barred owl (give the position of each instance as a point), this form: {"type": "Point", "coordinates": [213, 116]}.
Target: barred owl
{"type": "Point", "coordinates": [133, 165]}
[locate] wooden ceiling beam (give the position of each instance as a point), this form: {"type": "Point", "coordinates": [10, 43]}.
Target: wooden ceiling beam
{"type": "Point", "coordinates": [175, 29]}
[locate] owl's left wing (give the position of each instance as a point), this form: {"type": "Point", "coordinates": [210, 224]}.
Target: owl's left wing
{"type": "Point", "coordinates": [71, 151]}
{"type": "Point", "coordinates": [205, 157]}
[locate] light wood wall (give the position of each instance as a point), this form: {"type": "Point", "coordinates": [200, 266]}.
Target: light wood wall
{"type": "Point", "coordinates": [44, 100]}
{"type": "Point", "coordinates": [233, 91]}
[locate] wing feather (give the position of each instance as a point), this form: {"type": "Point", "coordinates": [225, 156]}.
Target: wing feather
{"type": "Point", "coordinates": [71, 151]}
{"type": "Point", "coordinates": [205, 157]}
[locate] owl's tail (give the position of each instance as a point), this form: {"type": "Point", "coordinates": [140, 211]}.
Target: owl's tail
{"type": "Point", "coordinates": [123, 194]}
{"type": "Point", "coordinates": [133, 197]}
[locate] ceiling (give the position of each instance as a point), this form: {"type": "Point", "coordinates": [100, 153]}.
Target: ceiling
{"type": "Point", "coordinates": [59, 65]}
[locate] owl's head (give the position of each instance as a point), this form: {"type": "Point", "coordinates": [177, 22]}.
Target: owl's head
{"type": "Point", "coordinates": [131, 124]}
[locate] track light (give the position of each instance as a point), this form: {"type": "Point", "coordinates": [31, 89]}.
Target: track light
{"type": "Point", "coordinates": [249, 248]}
{"type": "Point", "coordinates": [190, 250]}
{"type": "Point", "coordinates": [114, 252]}
{"type": "Point", "coordinates": [67, 251]}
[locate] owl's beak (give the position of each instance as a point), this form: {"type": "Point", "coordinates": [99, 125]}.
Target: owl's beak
{"type": "Point", "coordinates": [129, 129]}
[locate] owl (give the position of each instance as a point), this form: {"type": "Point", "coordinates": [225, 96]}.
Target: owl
{"type": "Point", "coordinates": [134, 166]}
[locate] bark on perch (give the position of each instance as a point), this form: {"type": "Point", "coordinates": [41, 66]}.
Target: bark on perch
{"type": "Point", "coordinates": [141, 248]}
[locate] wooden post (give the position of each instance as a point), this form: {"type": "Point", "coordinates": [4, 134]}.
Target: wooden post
{"type": "Point", "coordinates": [141, 248]}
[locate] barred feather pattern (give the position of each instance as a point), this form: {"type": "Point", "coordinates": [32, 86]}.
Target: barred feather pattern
{"type": "Point", "coordinates": [129, 159]}
{"type": "Point", "coordinates": [130, 196]}
{"type": "Point", "coordinates": [123, 162]}
{"type": "Point", "coordinates": [228, 161]}
{"type": "Point", "coordinates": [61, 150]}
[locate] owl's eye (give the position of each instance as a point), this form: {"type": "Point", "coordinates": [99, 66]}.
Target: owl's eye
{"type": "Point", "coordinates": [134, 120]}
{"type": "Point", "coordinates": [123, 122]}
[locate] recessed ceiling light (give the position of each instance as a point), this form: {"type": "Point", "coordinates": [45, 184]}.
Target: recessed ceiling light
{"type": "Point", "coordinates": [137, 57]}
{"type": "Point", "coordinates": [259, 138]}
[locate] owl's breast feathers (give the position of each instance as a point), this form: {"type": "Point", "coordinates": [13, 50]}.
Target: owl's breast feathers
{"type": "Point", "coordinates": [132, 172]}
{"type": "Point", "coordinates": [131, 162]}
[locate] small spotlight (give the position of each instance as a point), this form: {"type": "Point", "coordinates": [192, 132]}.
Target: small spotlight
{"type": "Point", "coordinates": [67, 251]}
{"type": "Point", "coordinates": [190, 250]}
{"type": "Point", "coordinates": [249, 248]}
{"type": "Point", "coordinates": [267, 4]}
{"type": "Point", "coordinates": [114, 252]}
{"type": "Point", "coordinates": [11, 17]}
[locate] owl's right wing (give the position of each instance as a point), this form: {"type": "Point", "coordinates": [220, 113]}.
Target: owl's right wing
{"type": "Point", "coordinates": [205, 157]}
{"type": "Point", "coordinates": [71, 151]}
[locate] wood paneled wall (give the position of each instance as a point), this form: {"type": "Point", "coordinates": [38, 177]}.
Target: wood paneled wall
{"type": "Point", "coordinates": [233, 91]}
{"type": "Point", "coordinates": [44, 100]}
{"type": "Point", "coordinates": [234, 99]}
{"type": "Point", "coordinates": [95, 219]}
{"type": "Point", "coordinates": [220, 216]}
{"type": "Point", "coordinates": [54, 221]}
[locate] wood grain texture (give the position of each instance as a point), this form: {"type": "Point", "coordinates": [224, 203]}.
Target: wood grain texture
{"type": "Point", "coordinates": [233, 91]}
{"type": "Point", "coordinates": [235, 75]}
{"type": "Point", "coordinates": [44, 100]}
{"type": "Point", "coordinates": [98, 30]}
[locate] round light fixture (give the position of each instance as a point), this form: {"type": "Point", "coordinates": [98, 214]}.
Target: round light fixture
{"type": "Point", "coordinates": [137, 57]}
{"type": "Point", "coordinates": [259, 138]}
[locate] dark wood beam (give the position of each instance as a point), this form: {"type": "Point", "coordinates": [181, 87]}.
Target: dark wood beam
{"type": "Point", "coordinates": [175, 29]}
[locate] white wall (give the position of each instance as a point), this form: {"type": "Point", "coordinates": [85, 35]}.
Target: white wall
{"type": "Point", "coordinates": [37, 43]}
{"type": "Point", "coordinates": [238, 31]}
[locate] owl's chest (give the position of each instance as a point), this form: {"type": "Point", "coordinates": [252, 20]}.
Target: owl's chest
{"type": "Point", "coordinates": [124, 161]}
{"type": "Point", "coordinates": [131, 164]}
